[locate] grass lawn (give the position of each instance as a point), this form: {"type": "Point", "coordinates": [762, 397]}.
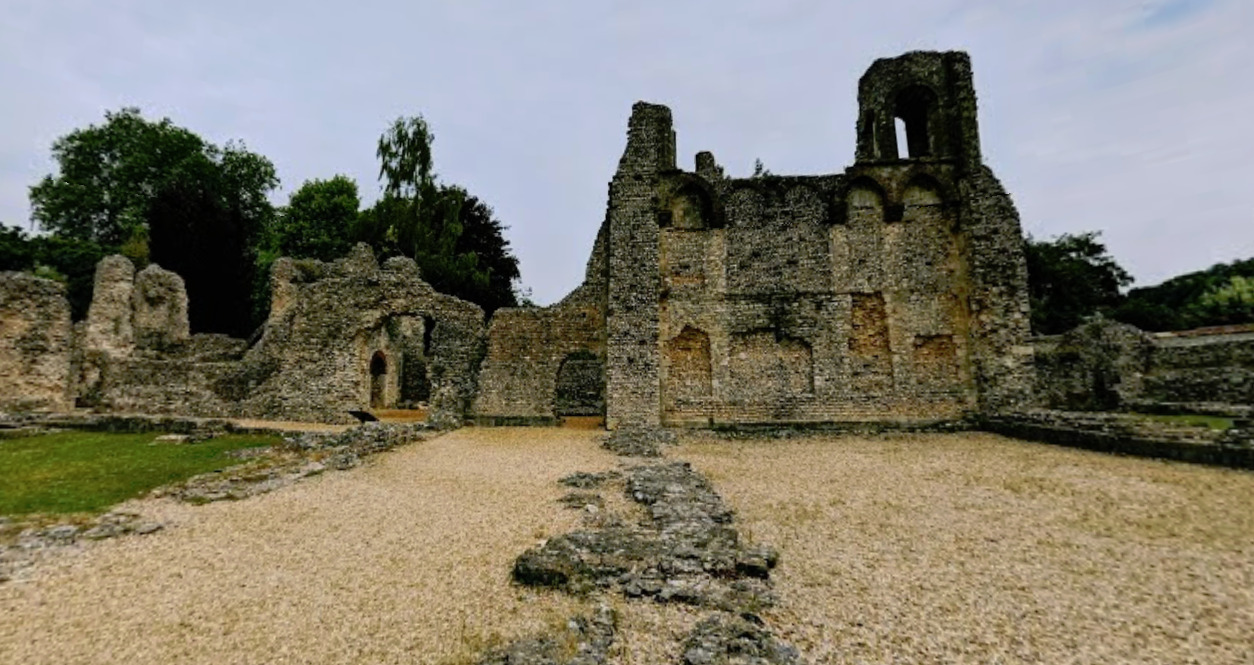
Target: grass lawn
{"type": "Point", "coordinates": [87, 472]}
{"type": "Point", "coordinates": [1213, 422]}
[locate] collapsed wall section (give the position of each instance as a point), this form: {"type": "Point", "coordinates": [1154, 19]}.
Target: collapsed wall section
{"type": "Point", "coordinates": [1104, 365]}
{"type": "Point", "coordinates": [543, 363]}
{"type": "Point", "coordinates": [352, 335]}
{"type": "Point", "coordinates": [341, 336]}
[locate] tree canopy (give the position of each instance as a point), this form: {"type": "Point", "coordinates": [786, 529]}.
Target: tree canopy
{"type": "Point", "coordinates": [454, 237]}
{"type": "Point", "coordinates": [152, 189]}
{"type": "Point", "coordinates": [1215, 296]}
{"type": "Point", "coordinates": [318, 221]}
{"type": "Point", "coordinates": [1069, 278]}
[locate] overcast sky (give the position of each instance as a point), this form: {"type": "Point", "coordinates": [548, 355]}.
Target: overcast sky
{"type": "Point", "coordinates": [1131, 117]}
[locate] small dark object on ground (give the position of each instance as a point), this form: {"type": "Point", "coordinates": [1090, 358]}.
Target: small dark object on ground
{"type": "Point", "coordinates": [363, 416]}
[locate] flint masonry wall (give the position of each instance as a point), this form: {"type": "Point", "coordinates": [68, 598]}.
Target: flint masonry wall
{"type": "Point", "coordinates": [1106, 365]}
{"type": "Point", "coordinates": [534, 354]}
{"type": "Point", "coordinates": [895, 290]}
{"type": "Point", "coordinates": [347, 335]}
{"type": "Point", "coordinates": [35, 343]}
{"type": "Point", "coordinates": [354, 335]}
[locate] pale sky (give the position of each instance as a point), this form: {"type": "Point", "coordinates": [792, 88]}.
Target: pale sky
{"type": "Point", "coordinates": [1130, 117]}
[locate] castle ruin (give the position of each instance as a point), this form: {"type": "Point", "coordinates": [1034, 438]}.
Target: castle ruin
{"type": "Point", "coordinates": [893, 291]}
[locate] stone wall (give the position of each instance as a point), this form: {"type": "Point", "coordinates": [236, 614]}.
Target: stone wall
{"type": "Point", "coordinates": [540, 359]}
{"type": "Point", "coordinates": [1106, 365]}
{"type": "Point", "coordinates": [346, 335]}
{"type": "Point", "coordinates": [895, 290]}
{"type": "Point", "coordinates": [35, 344]}
{"type": "Point", "coordinates": [354, 335]}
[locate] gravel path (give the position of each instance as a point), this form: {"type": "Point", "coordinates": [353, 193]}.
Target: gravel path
{"type": "Point", "coordinates": [978, 549]}
{"type": "Point", "coordinates": [404, 560]}
{"type": "Point", "coordinates": [963, 548]}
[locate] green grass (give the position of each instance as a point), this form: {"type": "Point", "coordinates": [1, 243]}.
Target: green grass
{"type": "Point", "coordinates": [1213, 422]}
{"type": "Point", "coordinates": [87, 472]}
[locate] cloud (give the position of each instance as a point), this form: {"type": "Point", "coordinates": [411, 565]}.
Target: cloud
{"type": "Point", "coordinates": [1122, 116]}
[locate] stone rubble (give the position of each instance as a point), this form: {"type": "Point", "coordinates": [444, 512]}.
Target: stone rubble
{"type": "Point", "coordinates": [584, 641]}
{"type": "Point", "coordinates": [34, 543]}
{"type": "Point", "coordinates": [301, 455]}
{"type": "Point", "coordinates": [638, 441]}
{"type": "Point", "coordinates": [736, 639]}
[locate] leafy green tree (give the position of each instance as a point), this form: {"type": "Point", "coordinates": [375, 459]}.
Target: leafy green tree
{"type": "Point", "coordinates": [318, 220]}
{"type": "Point", "coordinates": [453, 237]}
{"type": "Point", "coordinates": [1176, 304]}
{"type": "Point", "coordinates": [17, 252]}
{"type": "Point", "coordinates": [107, 175]}
{"type": "Point", "coordinates": [1069, 278]}
{"type": "Point", "coordinates": [206, 224]}
{"type": "Point", "coordinates": [155, 190]}
{"type": "Point", "coordinates": [1226, 304]}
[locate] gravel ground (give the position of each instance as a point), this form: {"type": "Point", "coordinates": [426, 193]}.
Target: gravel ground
{"type": "Point", "coordinates": [403, 560]}
{"type": "Point", "coordinates": [896, 549]}
{"type": "Point", "coordinates": [973, 548]}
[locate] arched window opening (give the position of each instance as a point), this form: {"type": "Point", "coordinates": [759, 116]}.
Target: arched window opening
{"type": "Point", "coordinates": [428, 329]}
{"type": "Point", "coordinates": [902, 138]}
{"type": "Point", "coordinates": [580, 385]}
{"type": "Point", "coordinates": [913, 112]}
{"type": "Point", "coordinates": [378, 380]}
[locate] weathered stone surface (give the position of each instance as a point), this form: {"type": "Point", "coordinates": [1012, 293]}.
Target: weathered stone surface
{"type": "Point", "coordinates": [34, 543]}
{"type": "Point", "coordinates": [1099, 365]}
{"type": "Point", "coordinates": [35, 344]}
{"type": "Point", "coordinates": [159, 303]}
{"type": "Point", "coordinates": [736, 639]}
{"type": "Point", "coordinates": [302, 455]}
{"type": "Point", "coordinates": [686, 551]}
{"type": "Point", "coordinates": [585, 480]}
{"type": "Point", "coordinates": [583, 641]}
{"type": "Point", "coordinates": [1129, 434]}
{"type": "Point", "coordinates": [110, 324]}
{"type": "Point", "coordinates": [638, 441]}
{"type": "Point", "coordinates": [1106, 365]}
{"type": "Point", "coordinates": [346, 335]}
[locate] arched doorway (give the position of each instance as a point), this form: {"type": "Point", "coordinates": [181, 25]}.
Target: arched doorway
{"type": "Point", "coordinates": [378, 380]}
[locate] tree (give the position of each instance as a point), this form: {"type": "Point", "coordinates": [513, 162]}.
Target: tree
{"type": "Point", "coordinates": [318, 220]}
{"type": "Point", "coordinates": [453, 236]}
{"type": "Point", "coordinates": [1177, 304]}
{"type": "Point", "coordinates": [205, 224]}
{"type": "Point", "coordinates": [155, 190]}
{"type": "Point", "coordinates": [1069, 278]}
{"type": "Point", "coordinates": [1228, 303]}
{"type": "Point", "coordinates": [107, 176]}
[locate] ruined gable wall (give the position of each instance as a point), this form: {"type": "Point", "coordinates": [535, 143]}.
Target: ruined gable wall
{"type": "Point", "coordinates": [35, 344]}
